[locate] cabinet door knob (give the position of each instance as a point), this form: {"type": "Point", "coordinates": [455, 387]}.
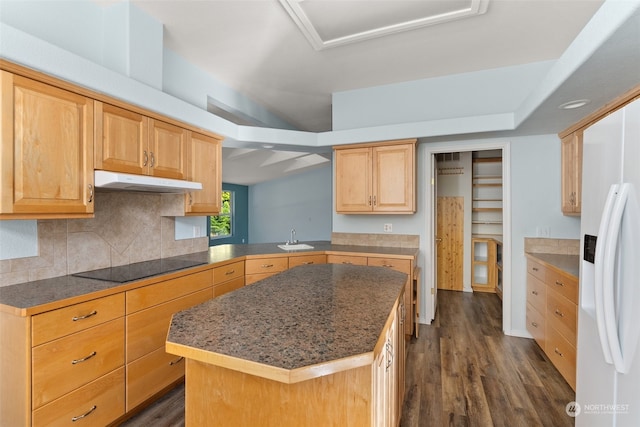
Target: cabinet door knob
{"type": "Point", "coordinates": [145, 158]}
{"type": "Point", "coordinates": [558, 352]}
{"type": "Point", "coordinates": [534, 292]}
{"type": "Point", "coordinates": [153, 160]}
{"type": "Point", "coordinates": [559, 313]}
{"type": "Point", "coordinates": [534, 324]}
{"type": "Point", "coordinates": [90, 193]}
{"type": "Point", "coordinates": [374, 201]}
{"type": "Point", "coordinates": [559, 283]}
{"type": "Point", "coordinates": [369, 200]}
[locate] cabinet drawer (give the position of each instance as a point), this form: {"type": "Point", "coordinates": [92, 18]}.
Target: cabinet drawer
{"type": "Point", "coordinates": [295, 261]}
{"type": "Point", "coordinates": [346, 259]}
{"type": "Point", "coordinates": [64, 321]}
{"type": "Point", "coordinates": [536, 293]}
{"type": "Point", "coordinates": [402, 265]}
{"type": "Point", "coordinates": [266, 265]}
{"type": "Point", "coordinates": [563, 355]}
{"type": "Point", "coordinates": [158, 293]}
{"type": "Point", "coordinates": [536, 325]}
{"type": "Point", "coordinates": [150, 374]}
{"type": "Point", "coordinates": [106, 395]}
{"type": "Point", "coordinates": [536, 269]}
{"type": "Point", "coordinates": [228, 272]}
{"type": "Point", "coordinates": [562, 315]}
{"type": "Point", "coordinates": [65, 364]}
{"type": "Point", "coordinates": [228, 286]}
{"type": "Point", "coordinates": [147, 330]}
{"type": "Point", "coordinates": [564, 284]}
{"type": "Point", "coordinates": [253, 278]}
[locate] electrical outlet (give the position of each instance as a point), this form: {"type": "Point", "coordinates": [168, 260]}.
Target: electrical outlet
{"type": "Point", "coordinates": [543, 231]}
{"type": "Point", "coordinates": [388, 228]}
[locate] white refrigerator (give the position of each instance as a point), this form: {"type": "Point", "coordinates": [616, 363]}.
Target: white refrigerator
{"type": "Point", "coordinates": [608, 365]}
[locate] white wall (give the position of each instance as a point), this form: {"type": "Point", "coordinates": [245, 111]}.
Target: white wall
{"type": "Point", "coordinates": [301, 201]}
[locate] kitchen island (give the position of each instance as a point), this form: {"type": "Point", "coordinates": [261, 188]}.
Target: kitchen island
{"type": "Point", "coordinates": [314, 345]}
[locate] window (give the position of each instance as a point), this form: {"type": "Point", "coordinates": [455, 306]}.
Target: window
{"type": "Point", "coordinates": [221, 225]}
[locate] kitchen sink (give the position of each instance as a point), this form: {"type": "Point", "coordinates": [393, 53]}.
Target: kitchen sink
{"type": "Point", "coordinates": [296, 247]}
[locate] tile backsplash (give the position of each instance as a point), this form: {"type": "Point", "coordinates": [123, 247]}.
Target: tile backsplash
{"type": "Point", "coordinates": [376, 240]}
{"type": "Point", "coordinates": [552, 246]}
{"type": "Point", "coordinates": [128, 227]}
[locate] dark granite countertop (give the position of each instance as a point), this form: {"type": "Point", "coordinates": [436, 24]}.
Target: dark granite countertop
{"type": "Point", "coordinates": [307, 315]}
{"type": "Point", "coordinates": [569, 264]}
{"type": "Point", "coordinates": [41, 293]}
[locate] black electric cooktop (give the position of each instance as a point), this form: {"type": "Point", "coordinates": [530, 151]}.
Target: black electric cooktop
{"type": "Point", "coordinates": [138, 270]}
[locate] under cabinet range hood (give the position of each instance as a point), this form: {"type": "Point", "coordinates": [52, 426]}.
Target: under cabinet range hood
{"type": "Point", "coordinates": [130, 182]}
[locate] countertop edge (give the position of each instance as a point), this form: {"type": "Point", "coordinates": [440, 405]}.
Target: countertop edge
{"type": "Point", "coordinates": [209, 265]}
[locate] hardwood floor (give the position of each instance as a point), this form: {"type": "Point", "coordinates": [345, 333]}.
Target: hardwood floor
{"type": "Point", "coordinates": [462, 371]}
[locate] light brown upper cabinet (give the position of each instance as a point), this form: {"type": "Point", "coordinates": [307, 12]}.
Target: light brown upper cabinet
{"type": "Point", "coordinates": [130, 142]}
{"type": "Point", "coordinates": [205, 166]}
{"type": "Point", "coordinates": [377, 178]}
{"type": "Point", "coordinates": [46, 156]}
{"type": "Point", "coordinates": [571, 153]}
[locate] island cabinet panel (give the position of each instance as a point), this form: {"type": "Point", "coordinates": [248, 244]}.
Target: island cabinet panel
{"type": "Point", "coordinates": [98, 403]}
{"type": "Point", "coordinates": [228, 278]}
{"type": "Point", "coordinates": [261, 268]}
{"type": "Point", "coordinates": [218, 396]}
{"type": "Point", "coordinates": [63, 365]}
{"type": "Point", "coordinates": [46, 156]}
{"type": "Point", "coordinates": [295, 261]}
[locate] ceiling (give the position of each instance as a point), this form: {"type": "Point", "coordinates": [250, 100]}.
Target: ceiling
{"type": "Point", "coordinates": [290, 55]}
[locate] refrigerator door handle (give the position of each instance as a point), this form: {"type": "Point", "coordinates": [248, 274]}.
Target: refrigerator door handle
{"type": "Point", "coordinates": [609, 277]}
{"type": "Point", "coordinates": [598, 272]}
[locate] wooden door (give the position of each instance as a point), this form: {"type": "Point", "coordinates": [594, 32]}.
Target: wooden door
{"type": "Point", "coordinates": [450, 228]}
{"type": "Point", "coordinates": [167, 150]}
{"type": "Point", "coordinates": [47, 149]}
{"type": "Point", "coordinates": [122, 137]}
{"type": "Point", "coordinates": [353, 180]}
{"type": "Point", "coordinates": [205, 166]}
{"type": "Point", "coordinates": [393, 178]}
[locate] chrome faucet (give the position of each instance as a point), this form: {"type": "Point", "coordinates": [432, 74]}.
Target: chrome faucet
{"type": "Point", "coordinates": [293, 240]}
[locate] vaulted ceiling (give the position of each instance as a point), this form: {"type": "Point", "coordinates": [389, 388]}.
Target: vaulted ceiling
{"type": "Point", "coordinates": [291, 55]}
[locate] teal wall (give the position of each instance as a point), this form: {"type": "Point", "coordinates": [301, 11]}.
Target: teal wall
{"type": "Point", "coordinates": [240, 224]}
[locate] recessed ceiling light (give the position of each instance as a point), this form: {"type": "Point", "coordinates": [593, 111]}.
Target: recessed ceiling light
{"type": "Point", "coordinates": [571, 105]}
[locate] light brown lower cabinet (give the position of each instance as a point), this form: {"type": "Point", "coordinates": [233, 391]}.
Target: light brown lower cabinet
{"type": "Point", "coordinates": [149, 368]}
{"type": "Point", "coordinates": [552, 315]}
{"type": "Point", "coordinates": [261, 268]}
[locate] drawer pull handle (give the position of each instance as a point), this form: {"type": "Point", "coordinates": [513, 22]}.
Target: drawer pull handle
{"type": "Point", "coordinates": [559, 313]}
{"type": "Point", "coordinates": [535, 268]}
{"type": "Point", "coordinates": [229, 272]}
{"type": "Point", "coordinates": [84, 359]}
{"type": "Point", "coordinates": [534, 324]}
{"type": "Point", "coordinates": [267, 265]}
{"type": "Point", "coordinates": [307, 262]}
{"type": "Point", "coordinates": [534, 292]}
{"type": "Point", "coordinates": [558, 352]}
{"type": "Point", "coordinates": [559, 283]}
{"type": "Point", "coordinates": [387, 265]}
{"type": "Point", "coordinates": [347, 262]}
{"type": "Point", "coordinates": [79, 417]}
{"type": "Point", "coordinates": [175, 362]}
{"type": "Point", "coordinates": [86, 316]}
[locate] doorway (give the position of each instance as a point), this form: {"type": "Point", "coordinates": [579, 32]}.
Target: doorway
{"type": "Point", "coordinates": [467, 149]}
